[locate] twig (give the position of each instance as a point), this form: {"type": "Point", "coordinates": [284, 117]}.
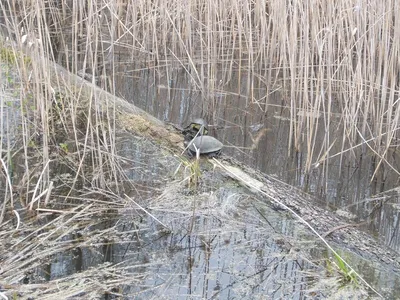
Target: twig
{"type": "Point", "coordinates": [342, 227]}
{"type": "Point", "coordinates": [142, 208]}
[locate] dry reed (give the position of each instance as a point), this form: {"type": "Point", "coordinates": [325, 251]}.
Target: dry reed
{"type": "Point", "coordinates": [335, 64]}
{"type": "Point", "coordinates": [330, 58]}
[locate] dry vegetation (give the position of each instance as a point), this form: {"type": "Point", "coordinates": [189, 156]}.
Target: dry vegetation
{"type": "Point", "coordinates": [334, 59]}
{"type": "Point", "coordinates": [337, 60]}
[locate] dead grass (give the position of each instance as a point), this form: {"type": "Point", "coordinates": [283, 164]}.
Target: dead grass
{"type": "Point", "coordinates": [326, 58]}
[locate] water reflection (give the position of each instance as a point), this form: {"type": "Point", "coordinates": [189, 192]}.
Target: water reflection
{"type": "Point", "coordinates": [257, 133]}
{"type": "Point", "coordinates": [223, 242]}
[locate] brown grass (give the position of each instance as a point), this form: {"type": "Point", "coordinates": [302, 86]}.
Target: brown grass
{"type": "Point", "coordinates": [335, 64]}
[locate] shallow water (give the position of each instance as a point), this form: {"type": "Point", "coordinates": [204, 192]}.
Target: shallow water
{"type": "Point", "coordinates": [220, 241]}
{"type": "Point", "coordinates": [225, 243]}
{"type": "Point", "coordinates": [167, 241]}
{"type": "Point", "coordinates": [258, 134]}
